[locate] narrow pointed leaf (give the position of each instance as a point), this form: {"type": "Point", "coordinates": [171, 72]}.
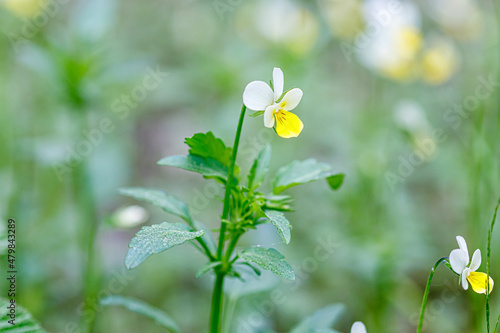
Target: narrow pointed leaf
{"type": "Point", "coordinates": [207, 167]}
{"type": "Point", "coordinates": [207, 267]}
{"type": "Point", "coordinates": [321, 320]}
{"type": "Point", "coordinates": [144, 309]}
{"type": "Point", "coordinates": [23, 321]}
{"type": "Point", "coordinates": [279, 220]}
{"type": "Point", "coordinates": [260, 167]}
{"type": "Point", "coordinates": [157, 238]}
{"type": "Point", "coordinates": [168, 203]}
{"type": "Point", "coordinates": [300, 172]}
{"type": "Point", "coordinates": [256, 114]}
{"type": "Point", "coordinates": [269, 259]}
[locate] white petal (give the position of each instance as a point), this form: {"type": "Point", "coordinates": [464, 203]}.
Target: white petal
{"type": "Point", "coordinates": [358, 327]}
{"type": "Point", "coordinates": [464, 275]}
{"type": "Point", "coordinates": [291, 99]}
{"type": "Point", "coordinates": [462, 244]}
{"type": "Point", "coordinates": [269, 116]}
{"type": "Point", "coordinates": [459, 260]}
{"type": "Point", "coordinates": [278, 82]}
{"type": "Point", "coordinates": [257, 96]}
{"type": "Point", "coordinates": [476, 260]}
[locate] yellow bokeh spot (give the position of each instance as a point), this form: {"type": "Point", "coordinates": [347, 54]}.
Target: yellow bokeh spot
{"type": "Point", "coordinates": [409, 43]}
{"type": "Point", "coordinates": [438, 64]}
{"type": "Point", "coordinates": [288, 125]}
{"type": "Point", "coordinates": [25, 8]}
{"type": "Point", "coordinates": [478, 282]}
{"type": "Point", "coordinates": [344, 17]}
{"type": "Point", "coordinates": [403, 70]}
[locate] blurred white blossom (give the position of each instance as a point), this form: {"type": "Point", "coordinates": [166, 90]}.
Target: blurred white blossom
{"type": "Point", "coordinates": [128, 217]}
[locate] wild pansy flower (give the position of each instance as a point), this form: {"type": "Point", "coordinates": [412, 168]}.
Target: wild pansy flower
{"type": "Point", "coordinates": [259, 96]}
{"type": "Point", "coordinates": [459, 261]}
{"type": "Point", "coordinates": [358, 327]}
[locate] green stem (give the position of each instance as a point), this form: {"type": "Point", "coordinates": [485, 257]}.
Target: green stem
{"type": "Point", "coordinates": [426, 294]}
{"type": "Point", "coordinates": [216, 311]}
{"type": "Point", "coordinates": [229, 183]}
{"type": "Point", "coordinates": [218, 293]}
{"type": "Point", "coordinates": [488, 256]}
{"type": "Point", "coordinates": [232, 245]}
{"type": "Point", "coordinates": [206, 249]}
{"type": "Point", "coordinates": [90, 226]}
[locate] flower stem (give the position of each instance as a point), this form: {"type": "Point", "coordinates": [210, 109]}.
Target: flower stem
{"type": "Point", "coordinates": [426, 294]}
{"type": "Point", "coordinates": [488, 257]}
{"type": "Point", "coordinates": [218, 293]}
{"type": "Point", "coordinates": [90, 225]}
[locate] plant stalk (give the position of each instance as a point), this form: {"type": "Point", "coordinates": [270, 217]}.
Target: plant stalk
{"type": "Point", "coordinates": [426, 294]}
{"type": "Point", "coordinates": [218, 293]}
{"type": "Point", "coordinates": [488, 260]}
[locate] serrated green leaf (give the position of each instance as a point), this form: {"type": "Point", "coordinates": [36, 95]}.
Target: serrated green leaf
{"type": "Point", "coordinates": [279, 220]}
{"type": "Point", "coordinates": [144, 309]}
{"type": "Point", "coordinates": [269, 259]}
{"type": "Point", "coordinates": [259, 167]}
{"type": "Point", "coordinates": [300, 172]}
{"type": "Point", "coordinates": [23, 321]}
{"type": "Point", "coordinates": [208, 168]}
{"type": "Point", "coordinates": [336, 181]}
{"type": "Point", "coordinates": [207, 267]}
{"type": "Point", "coordinates": [256, 114]}
{"type": "Point", "coordinates": [168, 203]}
{"type": "Point", "coordinates": [321, 320]}
{"type": "Point", "coordinates": [206, 145]}
{"type": "Point", "coordinates": [157, 238]}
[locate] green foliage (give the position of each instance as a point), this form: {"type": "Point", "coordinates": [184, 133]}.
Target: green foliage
{"type": "Point", "coordinates": [207, 267]}
{"type": "Point", "coordinates": [321, 320]}
{"type": "Point", "coordinates": [208, 156]}
{"type": "Point", "coordinates": [24, 322]}
{"type": "Point", "coordinates": [207, 146]}
{"type": "Point", "coordinates": [3, 238]}
{"type": "Point", "coordinates": [208, 168]}
{"type": "Point", "coordinates": [246, 207]}
{"type": "Point", "coordinates": [256, 114]}
{"type": "Point", "coordinates": [144, 309]}
{"type": "Point", "coordinates": [159, 198]}
{"type": "Point", "coordinates": [259, 168]}
{"type": "Point", "coordinates": [157, 238]}
{"type": "Point", "coordinates": [336, 181]}
{"type": "Point", "coordinates": [301, 172]}
{"type": "Point", "coordinates": [278, 202]}
{"type": "Point", "coordinates": [281, 223]}
{"type": "Point", "coordinates": [269, 259]}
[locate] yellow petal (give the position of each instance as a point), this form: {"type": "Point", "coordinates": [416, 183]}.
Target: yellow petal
{"type": "Point", "coordinates": [478, 282]}
{"type": "Point", "coordinates": [288, 125]}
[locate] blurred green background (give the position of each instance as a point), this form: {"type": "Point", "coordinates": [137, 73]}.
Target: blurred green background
{"type": "Point", "coordinates": [403, 97]}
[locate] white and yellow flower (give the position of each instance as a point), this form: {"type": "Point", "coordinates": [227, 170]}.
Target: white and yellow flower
{"type": "Point", "coordinates": [358, 327]}
{"type": "Point", "coordinates": [259, 96]}
{"type": "Point", "coordinates": [459, 261]}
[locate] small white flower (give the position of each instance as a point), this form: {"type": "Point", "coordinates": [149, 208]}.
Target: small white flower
{"type": "Point", "coordinates": [459, 261]}
{"type": "Point", "coordinates": [259, 96]}
{"type": "Point", "coordinates": [358, 327]}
